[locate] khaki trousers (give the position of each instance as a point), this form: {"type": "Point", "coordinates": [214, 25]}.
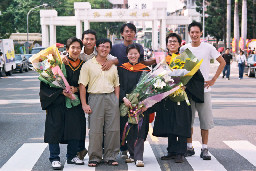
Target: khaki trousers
{"type": "Point", "coordinates": [105, 114]}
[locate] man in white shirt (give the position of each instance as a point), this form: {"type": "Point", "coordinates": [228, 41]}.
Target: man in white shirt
{"type": "Point", "coordinates": [206, 52]}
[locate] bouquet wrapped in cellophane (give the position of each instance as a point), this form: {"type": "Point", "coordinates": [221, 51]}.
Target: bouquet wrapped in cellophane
{"type": "Point", "coordinates": [151, 88]}
{"type": "Point", "coordinates": [53, 72]}
{"type": "Point", "coordinates": [187, 63]}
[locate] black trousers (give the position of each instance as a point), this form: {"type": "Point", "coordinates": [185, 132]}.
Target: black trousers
{"type": "Point", "coordinates": [177, 144]}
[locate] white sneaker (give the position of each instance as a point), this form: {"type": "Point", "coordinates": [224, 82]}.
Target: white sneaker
{"type": "Point", "coordinates": [76, 161]}
{"type": "Point", "coordinates": [56, 165]}
{"type": "Point", "coordinates": [139, 163]}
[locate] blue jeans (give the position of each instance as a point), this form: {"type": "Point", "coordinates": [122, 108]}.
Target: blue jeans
{"type": "Point", "coordinates": [226, 71]}
{"type": "Point", "coordinates": [72, 150]}
{"type": "Point", "coordinates": [54, 152]}
{"type": "Point", "coordinates": [241, 70]}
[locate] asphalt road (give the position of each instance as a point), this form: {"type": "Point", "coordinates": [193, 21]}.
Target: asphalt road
{"type": "Point", "coordinates": [232, 142]}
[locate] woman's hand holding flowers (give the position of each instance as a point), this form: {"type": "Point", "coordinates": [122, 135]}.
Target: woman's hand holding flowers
{"type": "Point", "coordinates": [127, 102]}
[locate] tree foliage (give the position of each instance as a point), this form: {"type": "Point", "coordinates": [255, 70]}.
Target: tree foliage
{"type": "Point", "coordinates": [216, 18]}
{"type": "Point", "coordinates": [14, 15]}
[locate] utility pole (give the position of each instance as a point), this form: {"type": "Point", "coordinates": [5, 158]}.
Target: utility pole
{"type": "Point", "coordinates": [244, 24]}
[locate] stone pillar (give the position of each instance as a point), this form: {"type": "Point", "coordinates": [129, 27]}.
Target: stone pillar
{"type": "Point", "coordinates": [86, 25]}
{"type": "Point", "coordinates": [47, 17]}
{"type": "Point", "coordinates": [163, 34]}
{"type": "Point", "coordinates": [154, 35]}
{"type": "Point", "coordinates": [186, 34]}
{"type": "Point", "coordinates": [78, 29]}
{"type": "Point", "coordinates": [45, 35]}
{"type": "Point", "coordinates": [52, 34]}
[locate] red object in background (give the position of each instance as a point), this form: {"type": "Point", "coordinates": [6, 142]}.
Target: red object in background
{"type": "Point", "coordinates": [151, 117]}
{"type": "Point", "coordinates": [221, 49]}
{"type": "Point", "coordinates": [59, 45]}
{"type": "Point", "coordinates": [183, 42]}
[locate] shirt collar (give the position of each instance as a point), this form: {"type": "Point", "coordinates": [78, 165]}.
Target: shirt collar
{"type": "Point", "coordinates": [93, 53]}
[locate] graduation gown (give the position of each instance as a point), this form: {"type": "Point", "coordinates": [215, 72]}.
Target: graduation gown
{"type": "Point", "coordinates": [129, 76]}
{"type": "Point", "coordinates": [75, 121]}
{"type": "Point", "coordinates": [174, 119]}
{"type": "Point", "coordinates": [53, 101]}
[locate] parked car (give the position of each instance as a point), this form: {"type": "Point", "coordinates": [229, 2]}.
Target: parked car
{"type": "Point", "coordinates": [35, 50]}
{"type": "Point", "coordinates": [21, 63]}
{"type": "Point", "coordinates": [250, 67]}
{"type": "Point", "coordinates": [29, 63]}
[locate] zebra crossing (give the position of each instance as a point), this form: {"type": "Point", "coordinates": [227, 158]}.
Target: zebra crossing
{"type": "Point", "coordinates": [29, 154]}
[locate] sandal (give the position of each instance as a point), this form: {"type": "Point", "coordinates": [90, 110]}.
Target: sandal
{"type": "Point", "coordinates": [112, 163]}
{"type": "Point", "coordinates": [93, 163]}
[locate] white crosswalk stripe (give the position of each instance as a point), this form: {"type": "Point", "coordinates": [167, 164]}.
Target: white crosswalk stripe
{"type": "Point", "coordinates": [25, 157]}
{"type": "Point", "coordinates": [150, 162]}
{"type": "Point", "coordinates": [29, 153]}
{"type": "Point", "coordinates": [245, 149]}
{"type": "Point", "coordinates": [85, 167]}
{"type": "Point", "coordinates": [197, 164]}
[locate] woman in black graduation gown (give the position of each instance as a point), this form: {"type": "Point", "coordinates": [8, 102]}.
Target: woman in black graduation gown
{"type": "Point", "coordinates": [64, 125]}
{"type": "Point", "coordinates": [173, 120]}
{"type": "Point", "coordinates": [129, 75]}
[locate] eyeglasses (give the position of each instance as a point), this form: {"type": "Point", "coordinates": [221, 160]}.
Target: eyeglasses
{"type": "Point", "coordinates": [172, 41]}
{"type": "Point", "coordinates": [104, 47]}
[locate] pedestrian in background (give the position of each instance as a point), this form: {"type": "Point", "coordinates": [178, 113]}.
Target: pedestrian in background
{"type": "Point", "coordinates": [228, 59]}
{"type": "Point", "coordinates": [241, 60]}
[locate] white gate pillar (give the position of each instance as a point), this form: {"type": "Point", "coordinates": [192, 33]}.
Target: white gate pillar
{"type": "Point", "coordinates": [86, 25]}
{"type": "Point", "coordinates": [45, 35]}
{"type": "Point", "coordinates": [163, 34]}
{"type": "Point", "coordinates": [78, 29]}
{"type": "Point", "coordinates": [154, 35]}
{"type": "Point", "coordinates": [52, 34]}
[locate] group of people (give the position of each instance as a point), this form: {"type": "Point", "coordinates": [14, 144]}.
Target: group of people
{"type": "Point", "coordinates": [101, 77]}
{"type": "Point", "coordinates": [241, 61]}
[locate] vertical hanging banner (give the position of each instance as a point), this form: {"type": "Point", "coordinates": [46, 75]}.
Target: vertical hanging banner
{"type": "Point", "coordinates": [234, 45]}
{"type": "Point", "coordinates": [241, 43]}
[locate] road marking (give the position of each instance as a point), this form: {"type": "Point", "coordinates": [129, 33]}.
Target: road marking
{"type": "Point", "coordinates": [150, 131]}
{"type": "Point", "coordinates": [233, 100]}
{"type": "Point", "coordinates": [214, 100]}
{"type": "Point", "coordinates": [149, 159]}
{"type": "Point", "coordinates": [25, 157]}
{"type": "Point", "coordinates": [27, 101]}
{"type": "Point", "coordinates": [245, 149]}
{"type": "Point", "coordinates": [198, 164]}
{"type": "Point", "coordinates": [73, 167]}
{"type": "Point", "coordinates": [21, 77]}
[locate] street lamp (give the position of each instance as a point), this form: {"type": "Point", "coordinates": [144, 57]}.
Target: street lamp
{"type": "Point", "coordinates": [44, 5]}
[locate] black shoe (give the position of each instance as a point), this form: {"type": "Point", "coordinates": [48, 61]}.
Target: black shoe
{"type": "Point", "coordinates": [204, 154]}
{"type": "Point", "coordinates": [190, 152]}
{"type": "Point", "coordinates": [179, 158]}
{"type": "Point", "coordinates": [169, 156]}
{"type": "Point", "coordinates": [223, 76]}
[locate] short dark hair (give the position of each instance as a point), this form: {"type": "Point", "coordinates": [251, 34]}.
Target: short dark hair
{"type": "Point", "coordinates": [102, 41]}
{"type": "Point", "coordinates": [1, 53]}
{"type": "Point", "coordinates": [129, 25]}
{"type": "Point", "coordinates": [227, 48]}
{"type": "Point", "coordinates": [89, 32]}
{"type": "Point", "coordinates": [242, 52]}
{"type": "Point", "coordinates": [132, 46]}
{"type": "Point", "coordinates": [174, 35]}
{"type": "Point", "coordinates": [193, 24]}
{"type": "Point", "coordinates": [72, 40]}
